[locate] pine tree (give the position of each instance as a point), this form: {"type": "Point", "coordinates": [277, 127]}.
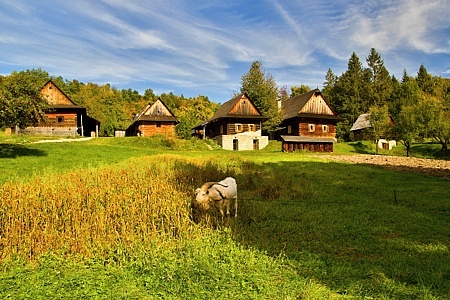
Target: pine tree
{"type": "Point", "coordinates": [263, 91]}
{"type": "Point", "coordinates": [349, 96]}
{"type": "Point", "coordinates": [381, 82]}
{"type": "Point", "coordinates": [424, 80]}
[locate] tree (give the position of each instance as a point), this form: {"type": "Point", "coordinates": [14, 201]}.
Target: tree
{"type": "Point", "coordinates": [329, 88]}
{"type": "Point", "coordinates": [263, 91]}
{"type": "Point", "coordinates": [424, 80]}
{"type": "Point", "coordinates": [405, 128]}
{"type": "Point", "coordinates": [381, 81]}
{"type": "Point", "coordinates": [404, 94]}
{"type": "Point", "coordinates": [434, 120]}
{"type": "Point", "coordinates": [191, 113]}
{"type": "Point", "coordinates": [379, 119]}
{"type": "Point", "coordinates": [298, 90]}
{"type": "Point", "coordinates": [349, 97]}
{"type": "Point", "coordinates": [21, 102]}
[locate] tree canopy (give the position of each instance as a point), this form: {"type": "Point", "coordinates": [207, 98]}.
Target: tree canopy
{"type": "Point", "coordinates": [418, 105]}
{"type": "Point", "coordinates": [262, 89]}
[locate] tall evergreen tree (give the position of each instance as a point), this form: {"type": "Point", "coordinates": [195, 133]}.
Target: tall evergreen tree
{"type": "Point", "coordinates": [329, 87]}
{"type": "Point", "coordinates": [381, 82]}
{"type": "Point", "coordinates": [262, 89]}
{"type": "Point", "coordinates": [424, 80]}
{"type": "Point", "coordinates": [349, 95]}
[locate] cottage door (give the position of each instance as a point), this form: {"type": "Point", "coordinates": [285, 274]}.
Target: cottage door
{"type": "Point", "coordinates": [235, 145]}
{"type": "Point", "coordinates": [255, 144]}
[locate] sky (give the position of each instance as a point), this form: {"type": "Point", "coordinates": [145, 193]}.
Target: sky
{"type": "Point", "coordinates": [203, 47]}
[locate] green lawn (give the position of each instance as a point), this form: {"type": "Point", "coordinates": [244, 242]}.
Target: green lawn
{"type": "Point", "coordinates": [308, 229]}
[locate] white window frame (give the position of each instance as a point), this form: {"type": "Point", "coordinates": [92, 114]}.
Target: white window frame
{"type": "Point", "coordinates": [325, 128]}
{"type": "Point", "coordinates": [238, 127]}
{"type": "Point", "coordinates": [311, 127]}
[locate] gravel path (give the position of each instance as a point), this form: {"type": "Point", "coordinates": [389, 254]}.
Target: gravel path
{"type": "Point", "coordinates": [440, 168]}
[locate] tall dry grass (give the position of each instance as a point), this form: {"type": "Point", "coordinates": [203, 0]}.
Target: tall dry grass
{"type": "Point", "coordinates": [87, 212]}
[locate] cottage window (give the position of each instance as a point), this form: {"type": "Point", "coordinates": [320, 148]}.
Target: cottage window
{"type": "Point", "coordinates": [239, 128]}
{"type": "Point", "coordinates": [158, 124]}
{"type": "Point", "coordinates": [251, 127]}
{"type": "Point", "coordinates": [312, 127]}
{"type": "Point", "coordinates": [325, 128]}
{"type": "Point", "coordinates": [289, 129]}
{"type": "Point", "coordinates": [60, 119]}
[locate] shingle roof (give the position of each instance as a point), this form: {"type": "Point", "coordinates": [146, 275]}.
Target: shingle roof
{"type": "Point", "coordinates": [227, 106]}
{"type": "Point", "coordinates": [293, 106]}
{"type": "Point", "coordinates": [361, 123]}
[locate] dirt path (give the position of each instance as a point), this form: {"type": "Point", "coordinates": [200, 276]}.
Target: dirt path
{"type": "Point", "coordinates": [63, 140]}
{"type": "Point", "coordinates": [440, 168]}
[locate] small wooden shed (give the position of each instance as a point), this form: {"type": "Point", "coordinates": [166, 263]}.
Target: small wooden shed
{"type": "Point", "coordinates": [154, 119]}
{"type": "Point", "coordinates": [235, 126]}
{"type": "Point", "coordinates": [309, 123]}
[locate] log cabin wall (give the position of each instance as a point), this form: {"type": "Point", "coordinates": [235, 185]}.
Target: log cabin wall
{"type": "Point", "coordinates": [307, 146]}
{"type": "Point", "coordinates": [60, 119]}
{"type": "Point", "coordinates": [315, 129]}
{"type": "Point", "coordinates": [154, 128]}
{"type": "Point", "coordinates": [236, 128]}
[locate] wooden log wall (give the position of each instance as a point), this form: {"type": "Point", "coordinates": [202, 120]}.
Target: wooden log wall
{"type": "Point", "coordinates": [69, 119]}
{"type": "Point", "coordinates": [313, 147]}
{"type": "Point", "coordinates": [150, 129]}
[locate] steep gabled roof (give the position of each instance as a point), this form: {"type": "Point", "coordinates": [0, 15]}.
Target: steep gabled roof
{"type": "Point", "coordinates": [361, 123]}
{"type": "Point", "coordinates": [298, 106]}
{"type": "Point", "coordinates": [54, 103]}
{"type": "Point", "coordinates": [226, 108]}
{"type": "Point", "coordinates": [156, 111]}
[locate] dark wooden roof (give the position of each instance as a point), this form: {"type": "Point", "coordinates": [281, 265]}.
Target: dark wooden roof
{"type": "Point", "coordinates": [292, 107]}
{"type": "Point", "coordinates": [224, 110]}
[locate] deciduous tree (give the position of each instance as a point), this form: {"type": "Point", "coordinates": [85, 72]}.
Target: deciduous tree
{"type": "Point", "coordinates": [21, 103]}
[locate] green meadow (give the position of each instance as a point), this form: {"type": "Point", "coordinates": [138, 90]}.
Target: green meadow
{"type": "Point", "coordinates": [109, 218]}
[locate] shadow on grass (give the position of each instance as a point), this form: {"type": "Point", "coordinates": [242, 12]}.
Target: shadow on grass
{"type": "Point", "coordinates": [430, 150]}
{"type": "Point", "coordinates": [14, 151]}
{"type": "Point", "coordinates": [361, 148]}
{"type": "Point", "coordinates": [340, 228]}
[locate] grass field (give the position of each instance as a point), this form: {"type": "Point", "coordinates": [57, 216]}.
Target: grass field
{"type": "Point", "coordinates": [109, 218]}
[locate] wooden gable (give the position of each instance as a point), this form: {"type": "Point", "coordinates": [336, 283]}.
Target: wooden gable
{"type": "Point", "coordinates": [244, 106]}
{"type": "Point", "coordinates": [157, 109]}
{"type": "Point", "coordinates": [55, 96]}
{"type": "Point", "coordinates": [317, 105]}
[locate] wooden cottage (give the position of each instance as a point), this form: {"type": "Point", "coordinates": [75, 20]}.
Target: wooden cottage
{"type": "Point", "coordinates": [362, 130]}
{"type": "Point", "coordinates": [235, 126]}
{"type": "Point", "coordinates": [309, 123]}
{"type": "Point", "coordinates": [64, 117]}
{"type": "Point", "coordinates": [154, 119]}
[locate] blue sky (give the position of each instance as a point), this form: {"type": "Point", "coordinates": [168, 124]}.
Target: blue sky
{"type": "Point", "coordinates": [204, 47]}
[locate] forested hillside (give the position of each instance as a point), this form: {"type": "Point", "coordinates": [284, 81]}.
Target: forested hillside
{"type": "Point", "coordinates": [112, 107]}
